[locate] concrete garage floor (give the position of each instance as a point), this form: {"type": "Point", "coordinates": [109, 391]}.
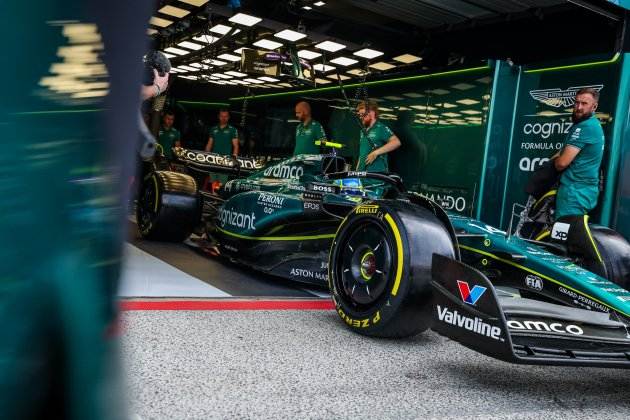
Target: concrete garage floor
{"type": "Point", "coordinates": [305, 364]}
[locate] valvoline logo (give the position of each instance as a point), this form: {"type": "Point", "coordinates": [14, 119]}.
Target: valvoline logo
{"type": "Point", "coordinates": [470, 296]}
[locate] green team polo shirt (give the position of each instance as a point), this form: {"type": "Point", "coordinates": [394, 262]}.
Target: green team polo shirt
{"type": "Point", "coordinates": [378, 134]}
{"type": "Point", "coordinates": [306, 136]}
{"type": "Point", "coordinates": [579, 183]}
{"type": "Point", "coordinates": [167, 139]}
{"type": "Point", "coordinates": [223, 139]}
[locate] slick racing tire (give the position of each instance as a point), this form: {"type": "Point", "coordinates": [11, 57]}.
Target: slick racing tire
{"type": "Point", "coordinates": [168, 208]}
{"type": "Point", "coordinates": [615, 252]}
{"type": "Point", "coordinates": [380, 267]}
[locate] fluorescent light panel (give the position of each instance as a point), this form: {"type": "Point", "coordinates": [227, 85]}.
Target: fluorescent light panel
{"type": "Point", "coordinates": [235, 73]}
{"type": "Point", "coordinates": [383, 66]}
{"type": "Point", "coordinates": [407, 58]}
{"type": "Point", "coordinates": [229, 57]}
{"type": "Point", "coordinates": [177, 51]}
{"type": "Point", "coordinates": [308, 54]}
{"type": "Point", "coordinates": [344, 61]}
{"type": "Point", "coordinates": [190, 45]}
{"type": "Point", "coordinates": [323, 67]}
{"type": "Point", "coordinates": [267, 44]}
{"type": "Point", "coordinates": [207, 39]}
{"type": "Point", "coordinates": [368, 53]}
{"type": "Point", "coordinates": [173, 11]}
{"type": "Point", "coordinates": [268, 79]}
{"type": "Point", "coordinates": [330, 46]}
{"type": "Point", "coordinates": [245, 20]}
{"type": "Point", "coordinates": [290, 35]}
{"type": "Point", "coordinates": [195, 2]}
{"type": "Point", "coordinates": [162, 23]}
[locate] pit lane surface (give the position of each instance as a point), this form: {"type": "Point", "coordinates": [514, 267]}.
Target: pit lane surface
{"type": "Point", "coordinates": [305, 364]}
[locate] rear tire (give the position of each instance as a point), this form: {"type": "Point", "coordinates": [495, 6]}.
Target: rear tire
{"type": "Point", "coordinates": [168, 208]}
{"type": "Point", "coordinates": [380, 268]}
{"type": "Point", "coordinates": [615, 251]}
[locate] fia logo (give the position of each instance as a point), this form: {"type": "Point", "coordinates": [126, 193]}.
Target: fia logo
{"type": "Point", "coordinates": [534, 282]}
{"type": "Point", "coordinates": [559, 98]}
{"type": "Point", "coordinates": [470, 296]}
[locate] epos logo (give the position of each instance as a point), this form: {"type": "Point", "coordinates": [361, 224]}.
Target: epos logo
{"type": "Point", "coordinates": [470, 296]}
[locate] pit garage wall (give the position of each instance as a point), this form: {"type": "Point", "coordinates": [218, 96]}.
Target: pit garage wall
{"type": "Point", "coordinates": [542, 116]}
{"type": "Point", "coordinates": [620, 217]}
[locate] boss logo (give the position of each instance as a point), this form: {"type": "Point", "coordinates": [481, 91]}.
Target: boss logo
{"type": "Point", "coordinates": [323, 188]}
{"type": "Point", "coordinates": [534, 282]}
{"type": "Point", "coordinates": [560, 231]}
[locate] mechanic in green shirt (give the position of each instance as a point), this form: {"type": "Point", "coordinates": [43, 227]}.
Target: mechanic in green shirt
{"type": "Point", "coordinates": [223, 138]}
{"type": "Point", "coordinates": [579, 161]}
{"type": "Point", "coordinates": [307, 132]}
{"type": "Point", "coordinates": [169, 136]}
{"type": "Point", "coordinates": [376, 140]}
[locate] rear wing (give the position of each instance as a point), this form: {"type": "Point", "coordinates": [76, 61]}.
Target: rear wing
{"type": "Point", "coordinates": [468, 310]}
{"type": "Point", "coordinates": [213, 162]}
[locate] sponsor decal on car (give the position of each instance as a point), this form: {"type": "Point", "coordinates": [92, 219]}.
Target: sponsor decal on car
{"type": "Point", "coordinates": [560, 231]}
{"type": "Point", "coordinates": [309, 205]}
{"type": "Point", "coordinates": [366, 209]}
{"type": "Point", "coordinates": [583, 300]}
{"type": "Point", "coordinates": [284, 171]}
{"type": "Point", "coordinates": [557, 327]}
{"type": "Point", "coordinates": [470, 296]}
{"type": "Point", "coordinates": [300, 272]}
{"type": "Point", "coordinates": [270, 202]}
{"type": "Point", "coordinates": [475, 325]}
{"type": "Point", "coordinates": [534, 282]}
{"type": "Point", "coordinates": [329, 189]}
{"type": "Point", "coordinates": [237, 219]}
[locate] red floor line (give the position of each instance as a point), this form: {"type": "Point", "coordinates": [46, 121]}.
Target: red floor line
{"type": "Point", "coordinates": [225, 305]}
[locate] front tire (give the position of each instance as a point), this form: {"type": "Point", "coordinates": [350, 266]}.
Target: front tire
{"type": "Point", "coordinates": [380, 268]}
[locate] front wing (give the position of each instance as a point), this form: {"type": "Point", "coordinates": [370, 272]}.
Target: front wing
{"type": "Point", "coordinates": [469, 310]}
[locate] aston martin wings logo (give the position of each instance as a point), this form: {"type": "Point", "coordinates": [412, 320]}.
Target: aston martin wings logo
{"type": "Point", "coordinates": [558, 98]}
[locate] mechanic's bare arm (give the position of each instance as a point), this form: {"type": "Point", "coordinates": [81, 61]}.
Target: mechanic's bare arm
{"type": "Point", "coordinates": [235, 146]}
{"type": "Point", "coordinates": [565, 157]}
{"type": "Point", "coordinates": [160, 83]}
{"type": "Point", "coordinates": [210, 144]}
{"type": "Point", "coordinates": [393, 143]}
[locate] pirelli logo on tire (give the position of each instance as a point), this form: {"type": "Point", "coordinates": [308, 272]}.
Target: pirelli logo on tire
{"type": "Point", "coordinates": [359, 323]}
{"type": "Point", "coordinates": [367, 209]}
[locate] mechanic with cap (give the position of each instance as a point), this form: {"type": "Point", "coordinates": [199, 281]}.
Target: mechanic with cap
{"type": "Point", "coordinates": [579, 161]}
{"type": "Point", "coordinates": [169, 136]}
{"type": "Point", "coordinates": [307, 132]}
{"type": "Point", "coordinates": [376, 141]}
{"type": "Point", "coordinates": [223, 138]}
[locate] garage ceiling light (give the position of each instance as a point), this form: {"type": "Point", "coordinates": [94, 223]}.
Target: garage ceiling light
{"type": "Point", "coordinates": [177, 51]}
{"type": "Point", "coordinates": [162, 23]}
{"type": "Point", "coordinates": [451, 114]}
{"type": "Point", "coordinates": [195, 2]}
{"type": "Point", "coordinates": [437, 91]}
{"type": "Point", "coordinates": [463, 86]}
{"type": "Point", "coordinates": [324, 68]}
{"type": "Point", "coordinates": [255, 81]}
{"type": "Point", "coordinates": [413, 95]}
{"type": "Point", "coordinates": [229, 57]}
{"type": "Point", "coordinates": [189, 68]}
{"type": "Point", "coordinates": [174, 70]}
{"type": "Point", "coordinates": [307, 8]}
{"type": "Point", "coordinates": [330, 46]}
{"type": "Point", "coordinates": [268, 79]}
{"type": "Point", "coordinates": [168, 55]}
{"type": "Point", "coordinates": [245, 20]}
{"type": "Point", "coordinates": [285, 84]}
{"type": "Point", "coordinates": [447, 105]}
{"type": "Point", "coordinates": [151, 31]}
{"type": "Point", "coordinates": [221, 29]}
{"type": "Point", "coordinates": [423, 107]}
{"type": "Point", "coordinates": [190, 45]}
{"type": "Point", "coordinates": [240, 50]}
{"type": "Point", "coordinates": [407, 58]}
{"type": "Point", "coordinates": [393, 98]}
{"type": "Point", "coordinates": [290, 35]}
{"type": "Point", "coordinates": [308, 54]}
{"type": "Point", "coordinates": [485, 80]}
{"type": "Point", "coordinates": [368, 53]}
{"type": "Point", "coordinates": [467, 102]}
{"type": "Point", "coordinates": [341, 76]}
{"type": "Point", "coordinates": [198, 65]}
{"type": "Point", "coordinates": [267, 44]}
{"type": "Point", "coordinates": [221, 76]}
{"type": "Point", "coordinates": [470, 112]}
{"type": "Point", "coordinates": [240, 82]}
{"type": "Point", "coordinates": [214, 62]}
{"type": "Point", "coordinates": [382, 66]}
{"type": "Point", "coordinates": [207, 39]}
{"type": "Point", "coordinates": [235, 73]}
{"type": "Point", "coordinates": [344, 61]}
{"type": "Point", "coordinates": [356, 72]}
{"type": "Point", "coordinates": [319, 3]}
{"type": "Point", "coordinates": [322, 81]}
{"type": "Point", "coordinates": [173, 11]}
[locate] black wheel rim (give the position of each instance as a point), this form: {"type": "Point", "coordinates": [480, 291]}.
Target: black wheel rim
{"type": "Point", "coordinates": [147, 204]}
{"type": "Point", "coordinates": [366, 261]}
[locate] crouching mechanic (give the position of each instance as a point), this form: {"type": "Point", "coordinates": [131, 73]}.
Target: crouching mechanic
{"type": "Point", "coordinates": [376, 140]}
{"type": "Point", "coordinates": [579, 161]}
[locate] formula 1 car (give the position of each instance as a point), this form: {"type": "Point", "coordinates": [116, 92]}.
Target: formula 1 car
{"type": "Point", "coordinates": [397, 264]}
